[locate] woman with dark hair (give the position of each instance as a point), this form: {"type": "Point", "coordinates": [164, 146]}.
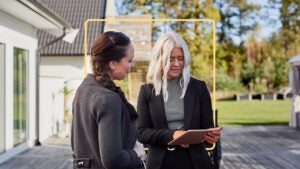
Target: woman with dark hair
{"type": "Point", "coordinates": [104, 134]}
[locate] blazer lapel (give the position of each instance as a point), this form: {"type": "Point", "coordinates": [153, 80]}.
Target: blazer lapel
{"type": "Point", "coordinates": [159, 113]}
{"type": "Point", "coordinates": [188, 107]}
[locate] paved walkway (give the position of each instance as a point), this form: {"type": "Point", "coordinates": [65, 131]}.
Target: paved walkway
{"type": "Point", "coordinates": [258, 147]}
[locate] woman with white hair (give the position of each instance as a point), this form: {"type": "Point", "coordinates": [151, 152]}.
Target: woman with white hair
{"type": "Point", "coordinates": [170, 103]}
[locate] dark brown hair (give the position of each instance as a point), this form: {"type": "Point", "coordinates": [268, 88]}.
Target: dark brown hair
{"type": "Point", "coordinates": [110, 46]}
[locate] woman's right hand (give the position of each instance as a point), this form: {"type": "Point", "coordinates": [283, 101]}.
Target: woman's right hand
{"type": "Point", "coordinates": [178, 133]}
{"type": "Point", "coordinates": [139, 149]}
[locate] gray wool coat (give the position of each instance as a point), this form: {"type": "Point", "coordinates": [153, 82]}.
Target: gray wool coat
{"type": "Point", "coordinates": [103, 134]}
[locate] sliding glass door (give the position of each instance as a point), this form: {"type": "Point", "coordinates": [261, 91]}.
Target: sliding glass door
{"type": "Point", "coordinates": [20, 75]}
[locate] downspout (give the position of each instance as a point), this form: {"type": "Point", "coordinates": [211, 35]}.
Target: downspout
{"type": "Point", "coordinates": [103, 15]}
{"type": "Point", "coordinates": [38, 58]}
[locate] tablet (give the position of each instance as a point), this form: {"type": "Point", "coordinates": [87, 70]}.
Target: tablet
{"type": "Point", "coordinates": [192, 136]}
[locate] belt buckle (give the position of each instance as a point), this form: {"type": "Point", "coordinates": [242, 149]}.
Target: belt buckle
{"type": "Point", "coordinates": [171, 148]}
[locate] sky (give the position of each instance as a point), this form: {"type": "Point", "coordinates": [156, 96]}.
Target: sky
{"type": "Point", "coordinates": [266, 28]}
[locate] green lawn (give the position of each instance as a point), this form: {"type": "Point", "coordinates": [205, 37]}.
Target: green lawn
{"type": "Point", "coordinates": [255, 112]}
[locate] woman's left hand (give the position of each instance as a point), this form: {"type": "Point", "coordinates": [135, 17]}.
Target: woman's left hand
{"type": "Point", "coordinates": [214, 136]}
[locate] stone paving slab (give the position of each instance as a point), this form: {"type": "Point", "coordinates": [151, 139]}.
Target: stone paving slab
{"type": "Point", "coordinates": [256, 147]}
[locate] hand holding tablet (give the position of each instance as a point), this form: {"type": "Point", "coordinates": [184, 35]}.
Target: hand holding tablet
{"type": "Point", "coordinates": [193, 136]}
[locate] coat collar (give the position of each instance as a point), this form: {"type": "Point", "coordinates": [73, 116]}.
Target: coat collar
{"type": "Point", "coordinates": [90, 79]}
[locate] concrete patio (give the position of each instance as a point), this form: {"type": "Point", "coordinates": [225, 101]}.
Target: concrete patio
{"type": "Point", "coordinates": [256, 147]}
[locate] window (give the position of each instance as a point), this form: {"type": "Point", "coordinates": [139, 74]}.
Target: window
{"type": "Point", "coordinates": [2, 95]}
{"type": "Point", "coordinates": [20, 75]}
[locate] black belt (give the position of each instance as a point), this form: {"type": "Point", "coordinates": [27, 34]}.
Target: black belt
{"type": "Point", "coordinates": [171, 148]}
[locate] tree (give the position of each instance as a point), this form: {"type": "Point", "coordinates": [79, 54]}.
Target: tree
{"type": "Point", "coordinates": [66, 91]}
{"type": "Point", "coordinates": [290, 26]}
{"type": "Point", "coordinates": [197, 35]}
{"type": "Point", "coordinates": [248, 74]}
{"type": "Point", "coordinates": [289, 17]}
{"type": "Point", "coordinates": [238, 18]}
{"type": "Point", "coordinates": [240, 53]}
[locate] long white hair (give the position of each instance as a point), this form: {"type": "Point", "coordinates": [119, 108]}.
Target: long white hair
{"type": "Point", "coordinates": [160, 63]}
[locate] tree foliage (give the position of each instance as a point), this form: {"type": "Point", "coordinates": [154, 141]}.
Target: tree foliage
{"type": "Point", "coordinates": [244, 58]}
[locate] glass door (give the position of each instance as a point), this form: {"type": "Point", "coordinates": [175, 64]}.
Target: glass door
{"type": "Point", "coordinates": [20, 75]}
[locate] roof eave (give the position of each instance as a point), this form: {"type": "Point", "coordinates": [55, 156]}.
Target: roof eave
{"type": "Point", "coordinates": [54, 18]}
{"type": "Point", "coordinates": [37, 15]}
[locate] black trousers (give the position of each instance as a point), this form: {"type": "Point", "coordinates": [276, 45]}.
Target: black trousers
{"type": "Point", "coordinates": [177, 159]}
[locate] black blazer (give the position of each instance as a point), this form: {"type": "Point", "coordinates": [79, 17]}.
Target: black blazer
{"type": "Point", "coordinates": [153, 127]}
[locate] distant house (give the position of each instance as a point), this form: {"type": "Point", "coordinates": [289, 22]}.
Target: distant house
{"type": "Point", "coordinates": [19, 23]}
{"type": "Point", "coordinates": [62, 64]}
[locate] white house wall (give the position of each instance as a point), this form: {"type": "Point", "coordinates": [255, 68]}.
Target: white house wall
{"type": "Point", "coordinates": [69, 70]}
{"type": "Point", "coordinates": [60, 66]}
{"type": "Point", "coordinates": [51, 106]}
{"type": "Point", "coordinates": [11, 36]}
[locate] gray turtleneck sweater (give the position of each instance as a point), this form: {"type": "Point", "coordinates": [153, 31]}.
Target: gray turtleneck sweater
{"type": "Point", "coordinates": [174, 107]}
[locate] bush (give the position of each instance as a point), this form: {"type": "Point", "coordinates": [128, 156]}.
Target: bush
{"type": "Point", "coordinates": [227, 83]}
